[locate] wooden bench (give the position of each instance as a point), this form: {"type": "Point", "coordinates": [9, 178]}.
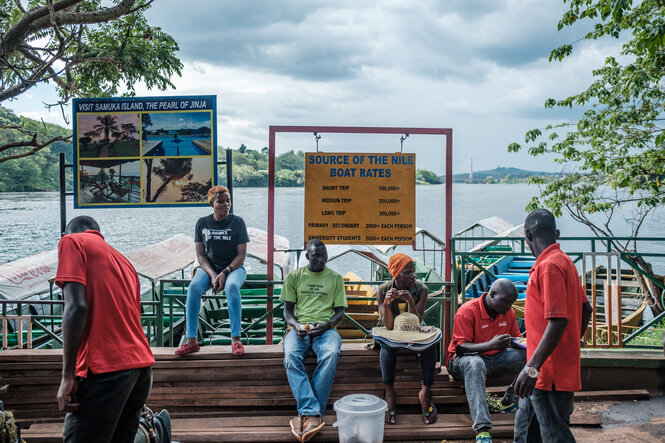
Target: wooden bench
{"type": "Point", "coordinates": [215, 396]}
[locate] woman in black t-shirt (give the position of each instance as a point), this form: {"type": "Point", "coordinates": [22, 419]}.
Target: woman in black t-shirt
{"type": "Point", "coordinates": [221, 244]}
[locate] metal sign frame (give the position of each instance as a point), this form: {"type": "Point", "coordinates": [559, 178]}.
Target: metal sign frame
{"type": "Point", "coordinates": [448, 198]}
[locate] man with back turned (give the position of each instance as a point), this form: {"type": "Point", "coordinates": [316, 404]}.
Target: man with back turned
{"type": "Point", "coordinates": [106, 359]}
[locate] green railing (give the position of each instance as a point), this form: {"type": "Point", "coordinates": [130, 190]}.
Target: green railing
{"type": "Point", "coordinates": [45, 317]}
{"type": "Point", "coordinates": [173, 294]}
{"type": "Point", "coordinates": [469, 264]}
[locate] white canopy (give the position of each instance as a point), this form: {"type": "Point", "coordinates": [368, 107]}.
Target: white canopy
{"type": "Point", "coordinates": [166, 257]}
{"type": "Point", "coordinates": [28, 276]}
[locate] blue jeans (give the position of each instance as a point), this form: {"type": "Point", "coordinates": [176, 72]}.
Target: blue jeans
{"type": "Point", "coordinates": [311, 397]}
{"type": "Point", "coordinates": [474, 369]}
{"type": "Point", "coordinates": [552, 409]}
{"type": "Point", "coordinates": [200, 284]}
{"type": "Point", "coordinates": [388, 359]}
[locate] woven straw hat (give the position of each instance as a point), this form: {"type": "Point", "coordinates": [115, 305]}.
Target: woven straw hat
{"type": "Point", "coordinates": [407, 329]}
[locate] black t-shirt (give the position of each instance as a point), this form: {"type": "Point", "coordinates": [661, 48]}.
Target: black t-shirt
{"type": "Point", "coordinates": [221, 239]}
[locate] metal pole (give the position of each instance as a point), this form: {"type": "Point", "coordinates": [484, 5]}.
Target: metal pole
{"type": "Point", "coordinates": [63, 196]}
{"type": "Point", "coordinates": [449, 232]}
{"type": "Point", "coordinates": [271, 229]}
{"type": "Point", "coordinates": [229, 174]}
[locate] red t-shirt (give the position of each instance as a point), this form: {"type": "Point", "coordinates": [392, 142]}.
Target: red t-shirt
{"type": "Point", "coordinates": [473, 324]}
{"type": "Point", "coordinates": [555, 291]}
{"type": "Point", "coordinates": [113, 338]}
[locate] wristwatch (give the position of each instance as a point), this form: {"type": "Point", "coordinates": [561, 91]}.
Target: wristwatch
{"type": "Point", "coordinates": [531, 372]}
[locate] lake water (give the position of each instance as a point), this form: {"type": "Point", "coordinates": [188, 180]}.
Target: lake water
{"type": "Point", "coordinates": [30, 223]}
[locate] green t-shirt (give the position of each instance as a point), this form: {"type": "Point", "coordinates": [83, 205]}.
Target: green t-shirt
{"type": "Point", "coordinates": [315, 294]}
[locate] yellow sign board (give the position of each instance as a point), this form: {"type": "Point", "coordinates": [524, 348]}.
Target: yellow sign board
{"type": "Point", "coordinates": [360, 199]}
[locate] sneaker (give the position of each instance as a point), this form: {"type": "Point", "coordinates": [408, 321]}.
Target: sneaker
{"type": "Point", "coordinates": [484, 437]}
{"type": "Point", "coordinates": [508, 409]}
{"type": "Point", "coordinates": [186, 348]}
{"type": "Point", "coordinates": [311, 426]}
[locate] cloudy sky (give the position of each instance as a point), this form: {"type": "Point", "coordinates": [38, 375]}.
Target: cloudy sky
{"type": "Point", "coordinates": [477, 66]}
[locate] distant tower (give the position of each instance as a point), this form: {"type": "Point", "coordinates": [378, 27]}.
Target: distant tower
{"type": "Point", "coordinates": [471, 170]}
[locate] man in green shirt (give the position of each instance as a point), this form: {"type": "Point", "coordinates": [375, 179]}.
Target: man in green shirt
{"type": "Point", "coordinates": [314, 301]}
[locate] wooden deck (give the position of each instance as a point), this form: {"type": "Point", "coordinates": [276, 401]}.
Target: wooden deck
{"type": "Point", "coordinates": [213, 396]}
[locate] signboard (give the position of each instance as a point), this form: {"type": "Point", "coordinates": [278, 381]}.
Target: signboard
{"type": "Point", "coordinates": [353, 198]}
{"type": "Point", "coordinates": [144, 151]}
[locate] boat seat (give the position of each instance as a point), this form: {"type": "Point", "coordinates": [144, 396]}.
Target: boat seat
{"type": "Point", "coordinates": [518, 264]}
{"type": "Point", "coordinates": [514, 277]}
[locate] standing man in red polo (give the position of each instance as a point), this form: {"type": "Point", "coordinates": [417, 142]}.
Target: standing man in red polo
{"type": "Point", "coordinates": [106, 359]}
{"type": "Point", "coordinates": [557, 313]}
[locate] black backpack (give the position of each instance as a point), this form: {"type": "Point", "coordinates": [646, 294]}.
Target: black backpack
{"type": "Point", "coordinates": [153, 428]}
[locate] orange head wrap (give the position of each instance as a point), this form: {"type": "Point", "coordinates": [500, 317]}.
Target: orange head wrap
{"type": "Point", "coordinates": [212, 192]}
{"type": "Point", "coordinates": [397, 263]}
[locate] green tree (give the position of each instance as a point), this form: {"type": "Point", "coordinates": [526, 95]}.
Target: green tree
{"type": "Point", "coordinates": [291, 161]}
{"type": "Point", "coordinates": [427, 177]}
{"type": "Point", "coordinates": [613, 157]}
{"type": "Point", "coordinates": [84, 48]}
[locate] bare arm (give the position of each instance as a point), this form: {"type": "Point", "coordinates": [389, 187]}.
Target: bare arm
{"type": "Point", "coordinates": [319, 328]}
{"type": "Point", "coordinates": [553, 333]}
{"type": "Point", "coordinates": [587, 310]}
{"type": "Point", "coordinates": [203, 261]}
{"type": "Point", "coordinates": [419, 308]}
{"type": "Point", "coordinates": [498, 343]}
{"type": "Point", "coordinates": [290, 318]}
{"type": "Point", "coordinates": [385, 300]}
{"type": "Point", "coordinates": [237, 261]}
{"type": "Point", "coordinates": [74, 318]}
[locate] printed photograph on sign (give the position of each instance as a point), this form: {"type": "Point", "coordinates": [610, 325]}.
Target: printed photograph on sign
{"type": "Point", "coordinates": [175, 134]}
{"type": "Point", "coordinates": [109, 181]}
{"type": "Point", "coordinates": [167, 180]}
{"type": "Point", "coordinates": [108, 135]}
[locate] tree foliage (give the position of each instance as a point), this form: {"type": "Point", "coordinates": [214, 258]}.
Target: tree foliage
{"type": "Point", "coordinates": [425, 177]}
{"type": "Point", "coordinates": [84, 48]}
{"type": "Point", "coordinates": [39, 172]}
{"type": "Point", "coordinates": [613, 158]}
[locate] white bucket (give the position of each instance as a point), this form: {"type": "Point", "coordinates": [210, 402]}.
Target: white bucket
{"type": "Point", "coordinates": [360, 418]}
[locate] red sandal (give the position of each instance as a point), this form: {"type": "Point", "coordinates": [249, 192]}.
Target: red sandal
{"type": "Point", "coordinates": [237, 349]}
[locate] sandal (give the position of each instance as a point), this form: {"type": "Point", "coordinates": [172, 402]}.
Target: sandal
{"type": "Point", "coordinates": [237, 349]}
{"type": "Point", "coordinates": [430, 414]}
{"type": "Point", "coordinates": [390, 416]}
{"type": "Point", "coordinates": [186, 348]}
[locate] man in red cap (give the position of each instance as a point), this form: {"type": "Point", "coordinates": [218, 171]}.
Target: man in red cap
{"type": "Point", "coordinates": [402, 289]}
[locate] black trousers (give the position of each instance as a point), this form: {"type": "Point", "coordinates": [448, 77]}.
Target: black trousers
{"type": "Point", "coordinates": [109, 407]}
{"type": "Point", "coordinates": [428, 357]}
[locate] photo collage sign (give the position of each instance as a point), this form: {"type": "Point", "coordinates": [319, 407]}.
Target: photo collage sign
{"type": "Point", "coordinates": [144, 151]}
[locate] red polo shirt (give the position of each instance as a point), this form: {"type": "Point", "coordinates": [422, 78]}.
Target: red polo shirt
{"type": "Point", "coordinates": [555, 291]}
{"type": "Point", "coordinates": [473, 324]}
{"type": "Point", "coordinates": [113, 338]}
